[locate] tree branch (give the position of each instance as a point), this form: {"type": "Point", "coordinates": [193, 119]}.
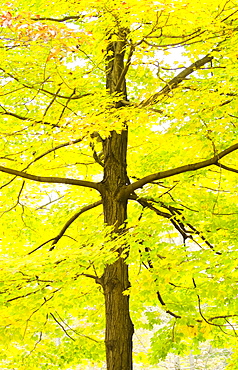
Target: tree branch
{"type": "Point", "coordinates": [60, 96]}
{"type": "Point", "coordinates": [227, 168]}
{"type": "Point", "coordinates": [67, 18]}
{"type": "Point", "coordinates": [36, 249]}
{"type": "Point", "coordinates": [125, 70]}
{"type": "Point", "coordinates": [62, 327]}
{"type": "Point", "coordinates": [54, 180]}
{"type": "Point", "coordinates": [27, 118]}
{"type": "Point", "coordinates": [44, 154]}
{"type": "Point", "coordinates": [172, 84]}
{"type": "Point", "coordinates": [185, 41]}
{"type": "Point", "coordinates": [71, 220]}
{"type": "Point", "coordinates": [145, 203]}
{"type": "Point", "coordinates": [221, 317]}
{"type": "Point", "coordinates": [75, 331]}
{"type": "Point", "coordinates": [68, 143]}
{"type": "Point", "coordinates": [129, 189]}
{"type": "Point", "coordinates": [18, 200]}
{"type": "Point", "coordinates": [44, 90]}
{"type": "Point", "coordinates": [176, 218]}
{"type": "Point", "coordinates": [200, 308]}
{"type": "Point", "coordinates": [66, 226]}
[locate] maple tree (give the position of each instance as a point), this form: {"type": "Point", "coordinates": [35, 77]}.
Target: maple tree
{"type": "Point", "coordinates": [142, 226]}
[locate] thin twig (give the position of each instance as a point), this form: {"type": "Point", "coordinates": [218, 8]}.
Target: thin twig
{"type": "Point", "coordinates": [62, 327]}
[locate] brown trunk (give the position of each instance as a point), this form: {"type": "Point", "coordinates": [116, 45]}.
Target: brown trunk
{"type": "Point", "coordinates": [119, 327]}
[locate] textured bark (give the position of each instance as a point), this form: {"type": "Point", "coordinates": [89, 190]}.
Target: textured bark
{"type": "Point", "coordinates": [119, 327]}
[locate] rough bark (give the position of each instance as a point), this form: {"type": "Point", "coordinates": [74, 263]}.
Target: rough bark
{"type": "Point", "coordinates": [119, 327]}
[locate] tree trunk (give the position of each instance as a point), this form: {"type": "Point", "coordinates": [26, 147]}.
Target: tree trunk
{"type": "Point", "coordinates": [119, 327]}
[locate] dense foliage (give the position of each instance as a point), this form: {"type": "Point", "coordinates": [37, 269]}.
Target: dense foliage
{"type": "Point", "coordinates": [57, 109]}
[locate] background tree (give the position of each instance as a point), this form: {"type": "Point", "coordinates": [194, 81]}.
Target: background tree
{"type": "Point", "coordinates": [82, 203]}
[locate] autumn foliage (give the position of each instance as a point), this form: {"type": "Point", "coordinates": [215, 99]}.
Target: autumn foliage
{"type": "Point", "coordinates": [119, 142]}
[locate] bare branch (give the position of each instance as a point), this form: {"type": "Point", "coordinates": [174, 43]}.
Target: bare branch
{"type": "Point", "coordinates": [55, 94]}
{"type": "Point", "coordinates": [62, 327]}
{"type": "Point", "coordinates": [7, 113]}
{"type": "Point", "coordinates": [23, 296]}
{"type": "Point", "coordinates": [232, 326]}
{"type": "Point", "coordinates": [221, 317]}
{"type": "Point", "coordinates": [145, 203]}
{"type": "Point", "coordinates": [66, 105]}
{"type": "Point", "coordinates": [227, 168]}
{"type": "Point", "coordinates": [185, 41]}
{"type": "Point", "coordinates": [54, 180]}
{"type": "Point", "coordinates": [18, 200]}
{"type": "Point", "coordinates": [66, 18]}
{"type": "Point", "coordinates": [129, 189]}
{"type": "Point", "coordinates": [50, 202]}
{"type": "Point", "coordinates": [36, 249]}
{"type": "Point", "coordinates": [164, 304]}
{"type": "Point", "coordinates": [51, 102]}
{"type": "Point", "coordinates": [200, 309]}
{"type": "Point", "coordinates": [37, 309]}
{"type": "Point", "coordinates": [44, 154]}
{"type": "Point", "coordinates": [66, 226]}
{"type": "Point", "coordinates": [176, 218]}
{"type": "Point", "coordinates": [68, 143]}
{"type": "Point", "coordinates": [176, 36]}
{"type": "Point", "coordinates": [71, 220]}
{"type": "Point", "coordinates": [230, 15]}
{"type": "Point", "coordinates": [59, 96]}
{"type": "Point", "coordinates": [75, 331]}
{"type": "Point", "coordinates": [172, 84]}
{"type": "Point", "coordinates": [125, 70]}
{"type": "Point", "coordinates": [36, 343]}
{"type": "Point", "coordinates": [90, 276]}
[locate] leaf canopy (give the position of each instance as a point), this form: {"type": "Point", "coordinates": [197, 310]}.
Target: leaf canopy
{"type": "Point", "coordinates": [55, 111]}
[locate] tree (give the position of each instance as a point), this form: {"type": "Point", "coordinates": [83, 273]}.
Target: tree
{"type": "Point", "coordinates": [84, 205]}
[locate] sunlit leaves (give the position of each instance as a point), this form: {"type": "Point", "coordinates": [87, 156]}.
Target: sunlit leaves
{"type": "Point", "coordinates": [53, 101]}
